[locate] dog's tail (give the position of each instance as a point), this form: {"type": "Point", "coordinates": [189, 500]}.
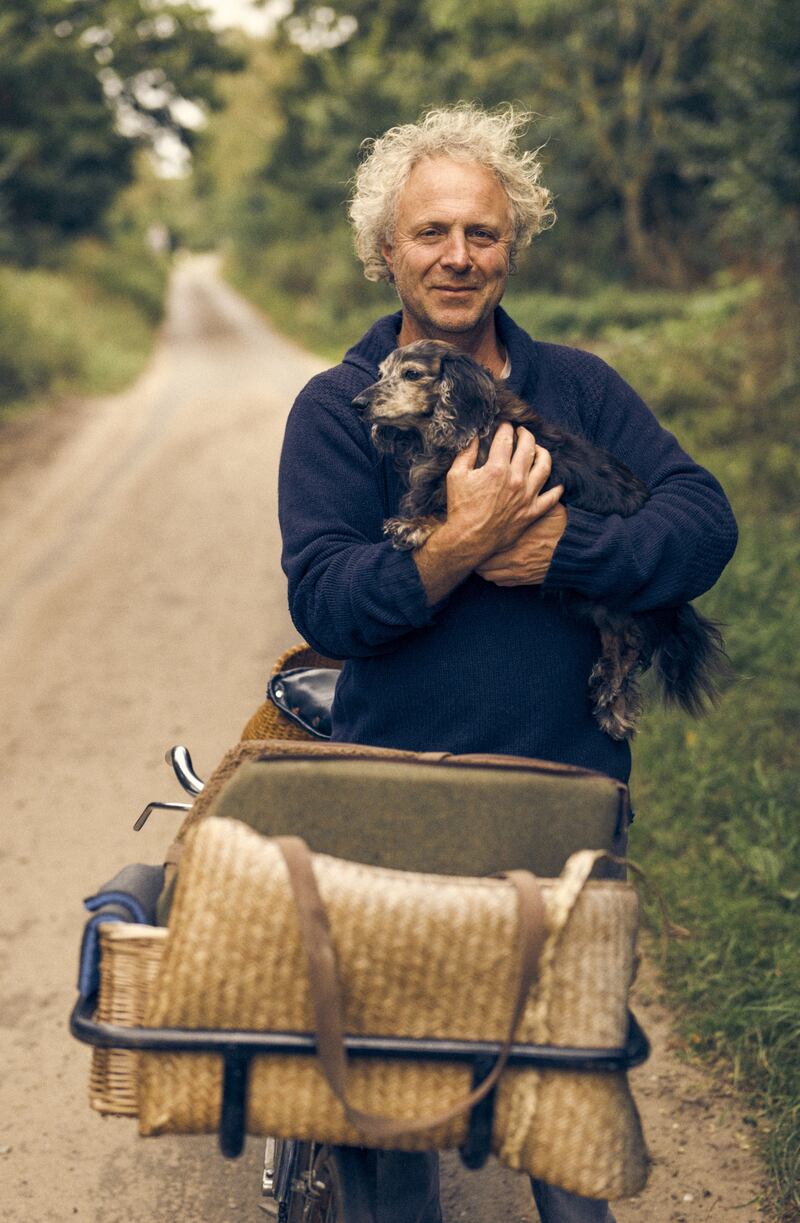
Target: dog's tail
{"type": "Point", "coordinates": [689, 659]}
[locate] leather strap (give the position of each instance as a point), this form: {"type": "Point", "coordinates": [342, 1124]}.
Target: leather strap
{"type": "Point", "coordinates": [326, 997]}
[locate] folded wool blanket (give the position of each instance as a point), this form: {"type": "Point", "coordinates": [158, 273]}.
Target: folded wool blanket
{"type": "Point", "coordinates": [131, 896]}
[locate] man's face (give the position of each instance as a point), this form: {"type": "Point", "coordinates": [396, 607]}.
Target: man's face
{"type": "Point", "coordinates": [450, 251]}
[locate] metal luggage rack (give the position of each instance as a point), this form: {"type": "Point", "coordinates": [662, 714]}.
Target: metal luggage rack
{"type": "Point", "coordinates": [238, 1047]}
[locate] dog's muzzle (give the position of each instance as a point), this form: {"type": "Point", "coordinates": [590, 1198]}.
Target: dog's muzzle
{"type": "Point", "coordinates": [365, 398]}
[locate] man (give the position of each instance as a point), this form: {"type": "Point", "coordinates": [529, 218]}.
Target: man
{"type": "Point", "coordinates": [458, 646]}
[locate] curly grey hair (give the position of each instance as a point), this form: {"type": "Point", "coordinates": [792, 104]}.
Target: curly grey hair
{"type": "Point", "coordinates": [465, 132]}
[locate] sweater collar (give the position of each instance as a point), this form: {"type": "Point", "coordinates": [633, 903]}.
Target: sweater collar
{"type": "Point", "coordinates": [381, 339]}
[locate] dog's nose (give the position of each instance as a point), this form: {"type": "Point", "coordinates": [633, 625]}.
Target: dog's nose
{"type": "Point", "coordinates": [364, 399]}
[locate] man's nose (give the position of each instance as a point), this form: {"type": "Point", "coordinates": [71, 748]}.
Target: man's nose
{"type": "Point", "coordinates": [456, 253]}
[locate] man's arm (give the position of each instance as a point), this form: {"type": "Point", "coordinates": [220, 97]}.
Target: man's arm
{"type": "Point", "coordinates": [671, 551]}
{"type": "Point", "coordinates": [351, 593]}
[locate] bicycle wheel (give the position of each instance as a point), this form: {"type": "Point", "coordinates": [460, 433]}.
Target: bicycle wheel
{"type": "Point", "coordinates": [337, 1188]}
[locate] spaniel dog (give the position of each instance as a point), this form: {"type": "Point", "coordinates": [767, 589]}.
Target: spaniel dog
{"type": "Point", "coordinates": [429, 403]}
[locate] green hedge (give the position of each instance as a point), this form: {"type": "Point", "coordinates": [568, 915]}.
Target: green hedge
{"type": "Point", "coordinates": [83, 325]}
{"type": "Point", "coordinates": [717, 799]}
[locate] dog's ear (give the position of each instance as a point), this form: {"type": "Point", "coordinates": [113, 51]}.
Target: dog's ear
{"type": "Point", "coordinates": [467, 402]}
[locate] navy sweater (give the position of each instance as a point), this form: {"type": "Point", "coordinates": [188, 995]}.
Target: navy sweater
{"type": "Point", "coordinates": [489, 669]}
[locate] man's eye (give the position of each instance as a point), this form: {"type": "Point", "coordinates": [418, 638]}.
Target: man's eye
{"type": "Point", "coordinates": [412, 375]}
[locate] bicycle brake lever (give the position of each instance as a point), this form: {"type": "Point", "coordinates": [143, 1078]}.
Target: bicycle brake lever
{"type": "Point", "coordinates": [143, 818]}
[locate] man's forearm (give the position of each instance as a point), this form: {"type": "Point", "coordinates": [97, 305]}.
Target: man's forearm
{"type": "Point", "coordinates": [446, 559]}
{"type": "Point", "coordinates": [443, 561]}
{"type": "Point", "coordinates": [527, 562]}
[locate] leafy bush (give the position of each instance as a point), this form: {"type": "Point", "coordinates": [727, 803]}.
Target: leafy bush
{"type": "Point", "coordinates": [279, 280]}
{"type": "Point", "coordinates": [717, 800]}
{"type": "Point", "coordinates": [555, 316]}
{"type": "Point", "coordinates": [36, 346]}
{"type": "Point", "coordinates": [123, 269]}
{"type": "Point", "coordinates": [83, 324]}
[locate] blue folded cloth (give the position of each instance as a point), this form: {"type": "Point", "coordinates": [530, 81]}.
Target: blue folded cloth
{"type": "Point", "coordinates": [131, 896]}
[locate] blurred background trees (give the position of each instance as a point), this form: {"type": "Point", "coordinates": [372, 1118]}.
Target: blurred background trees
{"type": "Point", "coordinates": [670, 127]}
{"type": "Point", "coordinates": [669, 131]}
{"type": "Point", "coordinates": [86, 87]}
{"type": "Point", "coordinates": [83, 83]}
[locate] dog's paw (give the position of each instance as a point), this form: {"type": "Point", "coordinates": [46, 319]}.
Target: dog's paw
{"type": "Point", "coordinates": [401, 533]}
{"type": "Point", "coordinates": [615, 723]}
{"type": "Point", "coordinates": [407, 534]}
{"type": "Point", "coordinates": [617, 707]}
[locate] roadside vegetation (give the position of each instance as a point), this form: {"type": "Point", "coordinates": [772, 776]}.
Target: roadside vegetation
{"type": "Point", "coordinates": [718, 799]}
{"type": "Point", "coordinates": [83, 325]}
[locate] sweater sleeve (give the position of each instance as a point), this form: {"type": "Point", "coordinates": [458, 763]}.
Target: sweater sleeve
{"type": "Point", "coordinates": [670, 551]}
{"type": "Point", "coordinates": [351, 593]}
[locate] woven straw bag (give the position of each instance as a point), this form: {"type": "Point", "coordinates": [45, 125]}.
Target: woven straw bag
{"type": "Point", "coordinates": [417, 956]}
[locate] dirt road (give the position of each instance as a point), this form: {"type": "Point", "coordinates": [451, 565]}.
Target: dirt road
{"type": "Point", "coordinates": [141, 604]}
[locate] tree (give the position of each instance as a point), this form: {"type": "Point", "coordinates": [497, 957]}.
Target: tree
{"type": "Point", "coordinates": [755, 147]}
{"type": "Point", "coordinates": [83, 83]}
{"type": "Point", "coordinates": [666, 123]}
{"type": "Point", "coordinates": [620, 84]}
{"type": "Point", "coordinates": [622, 80]}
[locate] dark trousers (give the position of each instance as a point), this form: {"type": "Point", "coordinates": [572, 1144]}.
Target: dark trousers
{"type": "Point", "coordinates": [557, 1206]}
{"type": "Point", "coordinates": [406, 1190]}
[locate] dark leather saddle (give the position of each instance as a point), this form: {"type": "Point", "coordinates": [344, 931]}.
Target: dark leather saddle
{"type": "Point", "coordinates": [305, 696]}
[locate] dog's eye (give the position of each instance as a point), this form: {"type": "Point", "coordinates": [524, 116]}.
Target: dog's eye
{"type": "Point", "coordinates": [412, 375]}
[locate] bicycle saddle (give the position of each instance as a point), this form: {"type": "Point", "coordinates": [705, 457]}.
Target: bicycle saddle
{"type": "Point", "coordinates": [305, 695]}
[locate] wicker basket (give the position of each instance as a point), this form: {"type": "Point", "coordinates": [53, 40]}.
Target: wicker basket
{"type": "Point", "coordinates": [586, 1135]}
{"type": "Point", "coordinates": [419, 956]}
{"type": "Point", "coordinates": [130, 956]}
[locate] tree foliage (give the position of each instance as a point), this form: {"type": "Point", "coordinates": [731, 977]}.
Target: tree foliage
{"type": "Point", "coordinates": [669, 126]}
{"type": "Point", "coordinates": [82, 84]}
{"type": "Point", "coordinates": [756, 148]}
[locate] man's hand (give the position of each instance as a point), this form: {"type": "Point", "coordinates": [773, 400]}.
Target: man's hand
{"type": "Point", "coordinates": [526, 562]}
{"type": "Point", "coordinates": [488, 508]}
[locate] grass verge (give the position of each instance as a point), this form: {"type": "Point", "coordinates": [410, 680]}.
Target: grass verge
{"type": "Point", "coordinates": [718, 799]}
{"type": "Point", "coordinates": [717, 830]}
{"type": "Point", "coordinates": [82, 326]}
{"type": "Point", "coordinates": [326, 321]}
